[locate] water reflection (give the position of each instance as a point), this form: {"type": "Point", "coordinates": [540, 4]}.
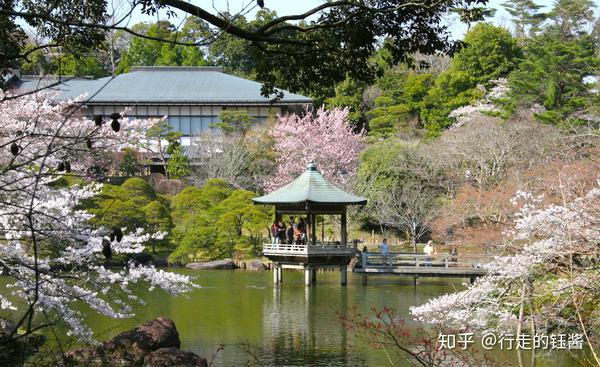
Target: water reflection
{"type": "Point", "coordinates": [300, 327]}
{"type": "Point", "coordinates": [291, 325]}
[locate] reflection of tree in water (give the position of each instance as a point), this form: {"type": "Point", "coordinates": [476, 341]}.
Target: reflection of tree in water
{"type": "Point", "coordinates": [296, 333]}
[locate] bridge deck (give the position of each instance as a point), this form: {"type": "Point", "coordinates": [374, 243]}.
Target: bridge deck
{"type": "Point", "coordinates": [420, 265]}
{"type": "Point", "coordinates": [423, 271]}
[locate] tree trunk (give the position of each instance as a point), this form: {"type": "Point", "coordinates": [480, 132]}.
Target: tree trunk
{"type": "Point", "coordinates": [413, 236]}
{"type": "Point", "coordinates": [162, 156]}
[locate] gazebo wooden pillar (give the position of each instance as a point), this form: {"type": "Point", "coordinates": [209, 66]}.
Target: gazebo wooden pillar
{"type": "Point", "coordinates": [310, 194]}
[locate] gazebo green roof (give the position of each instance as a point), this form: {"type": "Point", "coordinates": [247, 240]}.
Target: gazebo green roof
{"type": "Point", "coordinates": [310, 187]}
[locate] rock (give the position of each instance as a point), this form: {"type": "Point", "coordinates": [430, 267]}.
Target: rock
{"type": "Point", "coordinates": [155, 178]}
{"type": "Point", "coordinates": [171, 357]}
{"type": "Point", "coordinates": [141, 258]}
{"type": "Point", "coordinates": [170, 186]}
{"type": "Point", "coordinates": [134, 344]}
{"type": "Point", "coordinates": [86, 356]}
{"type": "Point", "coordinates": [210, 265]}
{"type": "Point", "coordinates": [354, 263]}
{"type": "Point", "coordinates": [131, 346]}
{"type": "Point", "coordinates": [255, 265]}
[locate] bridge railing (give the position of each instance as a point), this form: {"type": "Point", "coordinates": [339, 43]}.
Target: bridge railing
{"type": "Point", "coordinates": [377, 260]}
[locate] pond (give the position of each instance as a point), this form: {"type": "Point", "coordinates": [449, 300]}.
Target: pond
{"type": "Point", "coordinates": [291, 325]}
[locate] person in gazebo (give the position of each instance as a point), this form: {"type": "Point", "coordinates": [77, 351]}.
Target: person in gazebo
{"type": "Point", "coordinates": [275, 233]}
{"type": "Point", "coordinates": [302, 225]}
{"type": "Point", "coordinates": [290, 233]}
{"type": "Point", "coordinates": [281, 232]}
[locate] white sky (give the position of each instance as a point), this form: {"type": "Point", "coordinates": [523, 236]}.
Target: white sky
{"type": "Point", "coordinates": [287, 7]}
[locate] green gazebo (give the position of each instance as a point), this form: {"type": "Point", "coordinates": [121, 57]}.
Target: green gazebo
{"type": "Point", "coordinates": [310, 195]}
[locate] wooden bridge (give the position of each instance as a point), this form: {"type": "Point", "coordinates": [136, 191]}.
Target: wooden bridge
{"type": "Point", "coordinates": [421, 265]}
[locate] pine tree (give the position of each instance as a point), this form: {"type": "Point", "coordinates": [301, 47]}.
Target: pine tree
{"type": "Point", "coordinates": [179, 165]}
{"type": "Point", "coordinates": [526, 17]}
{"type": "Point", "coordinates": [560, 64]}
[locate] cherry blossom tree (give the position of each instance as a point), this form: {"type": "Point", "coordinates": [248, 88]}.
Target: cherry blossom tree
{"type": "Point", "coordinates": [50, 254]}
{"type": "Point", "coordinates": [549, 281]}
{"type": "Point", "coordinates": [325, 137]}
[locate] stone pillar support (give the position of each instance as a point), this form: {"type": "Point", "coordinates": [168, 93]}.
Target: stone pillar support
{"type": "Point", "coordinates": [344, 275]}
{"type": "Point", "coordinates": [307, 276]}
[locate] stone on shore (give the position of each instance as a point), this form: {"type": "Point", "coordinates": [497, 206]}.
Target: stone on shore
{"type": "Point", "coordinates": [169, 357]}
{"type": "Point", "coordinates": [210, 265]}
{"type": "Point", "coordinates": [135, 344]}
{"type": "Point", "coordinates": [255, 265]}
{"type": "Point", "coordinates": [154, 343]}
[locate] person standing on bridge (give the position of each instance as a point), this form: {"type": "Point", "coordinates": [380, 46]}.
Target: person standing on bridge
{"type": "Point", "coordinates": [429, 250]}
{"type": "Point", "coordinates": [385, 251]}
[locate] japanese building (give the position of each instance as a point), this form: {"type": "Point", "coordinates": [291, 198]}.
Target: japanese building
{"type": "Point", "coordinates": [191, 97]}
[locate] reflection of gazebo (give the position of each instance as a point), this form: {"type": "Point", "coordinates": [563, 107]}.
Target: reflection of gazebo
{"type": "Point", "coordinates": [311, 195]}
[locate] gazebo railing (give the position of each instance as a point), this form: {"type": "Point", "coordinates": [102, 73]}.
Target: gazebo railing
{"type": "Point", "coordinates": [299, 249]}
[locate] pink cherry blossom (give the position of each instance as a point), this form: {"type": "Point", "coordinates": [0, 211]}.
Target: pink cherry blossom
{"type": "Point", "coordinates": [325, 137]}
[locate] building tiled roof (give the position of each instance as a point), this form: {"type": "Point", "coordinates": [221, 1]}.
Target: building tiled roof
{"type": "Point", "coordinates": [310, 187]}
{"type": "Point", "coordinates": [164, 85]}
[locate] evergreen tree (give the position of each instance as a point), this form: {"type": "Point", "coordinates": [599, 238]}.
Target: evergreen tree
{"type": "Point", "coordinates": [349, 94]}
{"type": "Point", "coordinates": [558, 65]}
{"type": "Point", "coordinates": [234, 121]}
{"type": "Point", "coordinates": [158, 219]}
{"type": "Point", "coordinates": [129, 164]}
{"type": "Point", "coordinates": [148, 52]}
{"type": "Point", "coordinates": [178, 165]}
{"type": "Point", "coordinates": [491, 52]}
{"type": "Point", "coordinates": [525, 16]}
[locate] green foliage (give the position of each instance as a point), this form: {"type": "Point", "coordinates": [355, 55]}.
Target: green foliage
{"type": "Point", "coordinates": [234, 54]}
{"type": "Point", "coordinates": [79, 65]}
{"type": "Point", "coordinates": [348, 94]}
{"type": "Point", "coordinates": [490, 53]}
{"type": "Point", "coordinates": [386, 120]}
{"type": "Point", "coordinates": [452, 89]}
{"type": "Point", "coordinates": [186, 203]}
{"type": "Point", "coordinates": [178, 165]}
{"type": "Point", "coordinates": [403, 187]}
{"type": "Point", "coordinates": [375, 171]}
{"type": "Point", "coordinates": [211, 222]}
{"type": "Point", "coordinates": [116, 213]}
{"type": "Point", "coordinates": [36, 63]}
{"type": "Point", "coordinates": [222, 223]}
{"type": "Point", "coordinates": [121, 206]}
{"type": "Point", "coordinates": [526, 16]}
{"type": "Point", "coordinates": [129, 163]}
{"type": "Point", "coordinates": [557, 62]}
{"type": "Point", "coordinates": [61, 31]}
{"type": "Point", "coordinates": [147, 52]}
{"type": "Point", "coordinates": [65, 181]}
{"type": "Point", "coordinates": [192, 200]}
{"type": "Point", "coordinates": [157, 219]}
{"type": "Point", "coordinates": [411, 100]}
{"type": "Point", "coordinates": [399, 107]}
{"type": "Point", "coordinates": [162, 130]}
{"type": "Point", "coordinates": [234, 121]}
{"type": "Point", "coordinates": [241, 223]}
{"type": "Point", "coordinates": [136, 190]}
{"type": "Point", "coordinates": [215, 191]}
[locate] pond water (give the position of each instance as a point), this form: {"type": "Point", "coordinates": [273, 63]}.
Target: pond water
{"type": "Point", "coordinates": [291, 325]}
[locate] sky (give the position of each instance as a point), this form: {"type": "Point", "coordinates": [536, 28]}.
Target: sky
{"type": "Point", "coordinates": [287, 7]}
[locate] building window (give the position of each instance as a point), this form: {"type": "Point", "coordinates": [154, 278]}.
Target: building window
{"type": "Point", "coordinates": [184, 125]}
